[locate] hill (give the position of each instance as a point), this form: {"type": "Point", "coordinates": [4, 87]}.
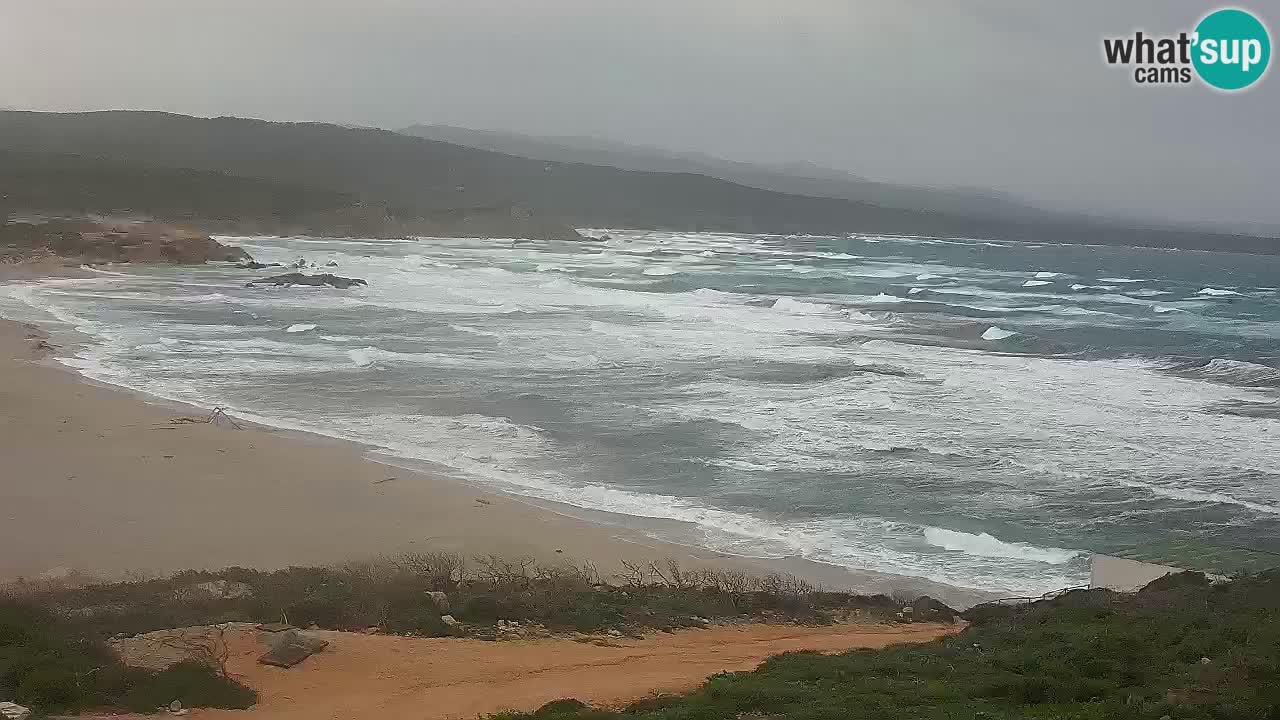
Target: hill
{"type": "Point", "coordinates": [793, 178]}
{"type": "Point", "coordinates": [73, 185]}
{"type": "Point", "coordinates": [425, 178]}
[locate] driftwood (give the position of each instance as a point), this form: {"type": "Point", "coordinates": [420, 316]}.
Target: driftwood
{"type": "Point", "coordinates": [216, 417]}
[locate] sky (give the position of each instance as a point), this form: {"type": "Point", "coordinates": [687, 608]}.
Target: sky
{"type": "Point", "coordinates": [1002, 94]}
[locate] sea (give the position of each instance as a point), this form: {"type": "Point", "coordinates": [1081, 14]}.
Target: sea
{"type": "Point", "coordinates": [978, 413]}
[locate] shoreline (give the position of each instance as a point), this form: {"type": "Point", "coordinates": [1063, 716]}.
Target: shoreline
{"type": "Point", "coordinates": [92, 490]}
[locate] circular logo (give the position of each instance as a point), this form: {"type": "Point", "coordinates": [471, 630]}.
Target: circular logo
{"type": "Point", "coordinates": [1232, 49]}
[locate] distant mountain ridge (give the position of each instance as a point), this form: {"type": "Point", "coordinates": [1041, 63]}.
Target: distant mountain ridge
{"type": "Point", "coordinates": [801, 178]}
{"type": "Point", "coordinates": [467, 190]}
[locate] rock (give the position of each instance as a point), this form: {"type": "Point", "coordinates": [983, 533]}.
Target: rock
{"type": "Point", "coordinates": [175, 706]}
{"type": "Point", "coordinates": [615, 633]}
{"type": "Point", "coordinates": [292, 647]}
{"type": "Point", "coordinates": [331, 263]}
{"type": "Point", "coordinates": [295, 278]}
{"type": "Point", "coordinates": [255, 265]}
{"type": "Point", "coordinates": [450, 621]}
{"type": "Point", "coordinates": [440, 600]}
{"type": "Point", "coordinates": [14, 711]}
{"type": "Point", "coordinates": [1205, 661]}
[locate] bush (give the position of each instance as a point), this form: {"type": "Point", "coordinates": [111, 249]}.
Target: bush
{"type": "Point", "coordinates": [54, 663]}
{"type": "Point", "coordinates": [1083, 656]}
{"type": "Point", "coordinates": [191, 684]}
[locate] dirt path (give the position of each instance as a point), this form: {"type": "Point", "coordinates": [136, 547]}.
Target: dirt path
{"type": "Point", "coordinates": [389, 678]}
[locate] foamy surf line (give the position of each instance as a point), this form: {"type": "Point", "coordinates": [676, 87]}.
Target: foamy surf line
{"type": "Point", "coordinates": [724, 531]}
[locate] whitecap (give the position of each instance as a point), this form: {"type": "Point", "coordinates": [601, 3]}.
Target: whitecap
{"type": "Point", "coordinates": [1045, 274]}
{"type": "Point", "coordinates": [1215, 292]}
{"type": "Point", "coordinates": [1036, 283]}
{"type": "Point", "coordinates": [915, 290]}
{"type": "Point", "coordinates": [987, 545]}
{"type": "Point", "coordinates": [300, 327]}
{"type": "Point", "coordinates": [996, 333]}
{"type": "Point", "coordinates": [799, 307]}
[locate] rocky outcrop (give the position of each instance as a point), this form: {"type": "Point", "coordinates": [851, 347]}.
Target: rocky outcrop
{"type": "Point", "coordinates": [295, 278]}
{"type": "Point", "coordinates": [93, 243]}
{"type": "Point", "coordinates": [291, 647]}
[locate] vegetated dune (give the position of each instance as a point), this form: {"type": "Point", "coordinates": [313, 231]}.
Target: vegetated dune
{"type": "Point", "coordinates": [391, 677]}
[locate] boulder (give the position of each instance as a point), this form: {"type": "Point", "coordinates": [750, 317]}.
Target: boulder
{"type": "Point", "coordinates": [441, 600]}
{"type": "Point", "coordinates": [450, 621]}
{"type": "Point", "coordinates": [14, 711]}
{"type": "Point", "coordinates": [292, 647]}
{"type": "Point", "coordinates": [295, 278]}
{"type": "Point", "coordinates": [255, 265]}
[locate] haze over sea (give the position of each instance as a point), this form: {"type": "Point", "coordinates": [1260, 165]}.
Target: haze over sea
{"type": "Point", "coordinates": [977, 413]}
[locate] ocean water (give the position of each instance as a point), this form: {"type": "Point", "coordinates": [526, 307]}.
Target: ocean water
{"type": "Point", "coordinates": [977, 413]}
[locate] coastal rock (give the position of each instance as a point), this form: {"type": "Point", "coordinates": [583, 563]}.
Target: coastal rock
{"type": "Point", "coordinates": [14, 711]}
{"type": "Point", "coordinates": [292, 647]}
{"type": "Point", "coordinates": [295, 278]}
{"type": "Point", "coordinates": [255, 265]}
{"type": "Point", "coordinates": [94, 243]}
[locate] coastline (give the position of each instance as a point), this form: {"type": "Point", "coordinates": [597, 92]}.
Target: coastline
{"type": "Point", "coordinates": [100, 480]}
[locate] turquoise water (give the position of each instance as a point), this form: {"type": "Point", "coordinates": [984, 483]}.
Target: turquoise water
{"type": "Point", "coordinates": [978, 413]}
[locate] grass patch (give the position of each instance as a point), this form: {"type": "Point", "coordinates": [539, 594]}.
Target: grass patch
{"type": "Point", "coordinates": [1181, 648]}
{"type": "Point", "coordinates": [395, 596]}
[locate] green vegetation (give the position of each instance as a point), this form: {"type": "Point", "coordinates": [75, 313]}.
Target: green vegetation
{"type": "Point", "coordinates": [1180, 649]}
{"type": "Point", "coordinates": [394, 595]}
{"type": "Point", "coordinates": [55, 663]}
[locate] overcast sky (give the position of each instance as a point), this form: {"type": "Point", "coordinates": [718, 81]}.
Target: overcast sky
{"type": "Point", "coordinates": [1005, 94]}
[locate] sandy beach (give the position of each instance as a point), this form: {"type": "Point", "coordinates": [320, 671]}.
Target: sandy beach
{"type": "Point", "coordinates": [100, 480]}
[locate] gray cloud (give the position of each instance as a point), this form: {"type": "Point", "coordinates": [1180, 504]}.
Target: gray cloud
{"type": "Point", "coordinates": [991, 93]}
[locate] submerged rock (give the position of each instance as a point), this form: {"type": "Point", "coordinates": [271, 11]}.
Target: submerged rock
{"type": "Point", "coordinates": [255, 265]}
{"type": "Point", "coordinates": [295, 278]}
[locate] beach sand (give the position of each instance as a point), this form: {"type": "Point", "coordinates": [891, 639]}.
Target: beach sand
{"type": "Point", "coordinates": [99, 480]}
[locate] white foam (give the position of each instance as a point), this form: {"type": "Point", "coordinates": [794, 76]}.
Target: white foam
{"type": "Point", "coordinates": [363, 357]}
{"type": "Point", "coordinates": [1215, 292]}
{"type": "Point", "coordinates": [1201, 496]}
{"type": "Point", "coordinates": [800, 307]}
{"type": "Point", "coordinates": [1122, 280]}
{"type": "Point", "coordinates": [996, 333]}
{"type": "Point", "coordinates": [1036, 283]}
{"type": "Point", "coordinates": [987, 545]}
{"type": "Point", "coordinates": [915, 290]}
{"type": "Point", "coordinates": [1045, 274]}
{"type": "Point", "coordinates": [300, 327]}
{"type": "Point", "coordinates": [660, 270]}
{"type": "Point", "coordinates": [927, 276]}
{"type": "Point", "coordinates": [1163, 309]}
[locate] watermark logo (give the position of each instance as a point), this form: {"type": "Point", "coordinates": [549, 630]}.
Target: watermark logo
{"type": "Point", "coordinates": [1229, 49]}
